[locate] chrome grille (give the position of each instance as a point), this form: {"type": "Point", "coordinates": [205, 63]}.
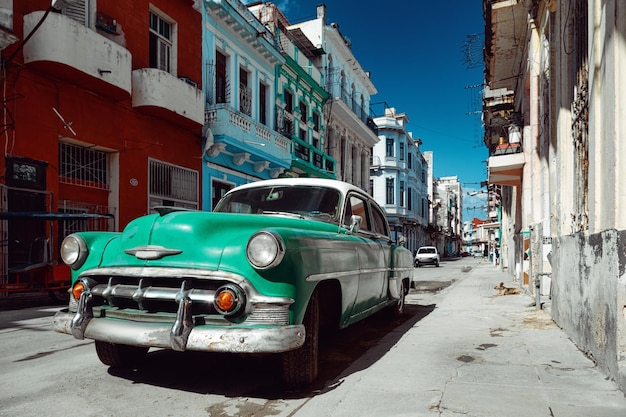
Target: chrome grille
{"type": "Point", "coordinates": [153, 295]}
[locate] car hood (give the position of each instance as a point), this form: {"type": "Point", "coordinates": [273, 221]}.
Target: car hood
{"type": "Point", "coordinates": [199, 239]}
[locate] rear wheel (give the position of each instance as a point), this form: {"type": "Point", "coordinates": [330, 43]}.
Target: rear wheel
{"type": "Point", "coordinates": [299, 367]}
{"type": "Point", "coordinates": [120, 356]}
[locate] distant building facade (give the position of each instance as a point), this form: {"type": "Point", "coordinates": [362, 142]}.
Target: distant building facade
{"type": "Point", "coordinates": [448, 209]}
{"type": "Point", "coordinates": [398, 177]}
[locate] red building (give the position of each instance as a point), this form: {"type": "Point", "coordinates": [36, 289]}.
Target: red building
{"type": "Point", "coordinates": [102, 112]}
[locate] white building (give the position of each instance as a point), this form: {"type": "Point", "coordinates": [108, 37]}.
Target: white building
{"type": "Point", "coordinates": [447, 210]}
{"type": "Point", "coordinates": [350, 133]}
{"type": "Point", "coordinates": [399, 179]}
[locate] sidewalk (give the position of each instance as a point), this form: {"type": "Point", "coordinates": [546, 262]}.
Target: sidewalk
{"type": "Point", "coordinates": [477, 354]}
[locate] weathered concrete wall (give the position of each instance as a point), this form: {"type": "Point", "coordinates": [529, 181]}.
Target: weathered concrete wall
{"type": "Point", "coordinates": [589, 296]}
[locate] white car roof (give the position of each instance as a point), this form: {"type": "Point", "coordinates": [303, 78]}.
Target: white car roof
{"type": "Point", "coordinates": [341, 186]}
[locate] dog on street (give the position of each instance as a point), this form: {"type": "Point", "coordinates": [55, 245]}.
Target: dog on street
{"type": "Point", "coordinates": [502, 290]}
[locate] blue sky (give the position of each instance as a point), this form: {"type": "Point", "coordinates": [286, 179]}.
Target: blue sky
{"type": "Point", "coordinates": [414, 51]}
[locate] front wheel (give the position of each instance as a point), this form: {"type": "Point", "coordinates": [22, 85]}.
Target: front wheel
{"type": "Point", "coordinates": [299, 367]}
{"type": "Point", "coordinates": [397, 309]}
{"type": "Point", "coordinates": [60, 295]}
{"type": "Point", "coordinates": [120, 356]}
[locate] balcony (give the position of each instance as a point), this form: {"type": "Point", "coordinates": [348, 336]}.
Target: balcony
{"type": "Point", "coordinates": [160, 94]}
{"type": "Point", "coordinates": [247, 141]}
{"type": "Point", "coordinates": [506, 164]}
{"type": "Point", "coordinates": [71, 52]}
{"type": "Point", "coordinates": [505, 30]}
{"type": "Point", "coordinates": [366, 130]}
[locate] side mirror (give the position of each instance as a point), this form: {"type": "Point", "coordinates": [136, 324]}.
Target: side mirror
{"type": "Point", "coordinates": [355, 223]}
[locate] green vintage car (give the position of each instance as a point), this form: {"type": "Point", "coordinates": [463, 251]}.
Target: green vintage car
{"type": "Point", "coordinates": [276, 260]}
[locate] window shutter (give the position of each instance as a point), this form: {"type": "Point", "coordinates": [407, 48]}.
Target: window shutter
{"type": "Point", "coordinates": [77, 12]}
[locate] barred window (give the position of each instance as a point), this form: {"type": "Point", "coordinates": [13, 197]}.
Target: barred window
{"type": "Point", "coordinates": [172, 185]}
{"type": "Point", "coordinates": [79, 165]}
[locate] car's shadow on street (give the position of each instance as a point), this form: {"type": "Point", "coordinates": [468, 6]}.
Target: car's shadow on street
{"type": "Point", "coordinates": [340, 354]}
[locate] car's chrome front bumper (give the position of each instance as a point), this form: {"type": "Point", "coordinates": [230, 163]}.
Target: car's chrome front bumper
{"type": "Point", "coordinates": [182, 335]}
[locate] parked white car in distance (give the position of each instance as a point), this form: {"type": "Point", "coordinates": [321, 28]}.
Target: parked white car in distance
{"type": "Point", "coordinates": [427, 255]}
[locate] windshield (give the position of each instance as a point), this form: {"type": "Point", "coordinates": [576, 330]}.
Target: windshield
{"type": "Point", "coordinates": [427, 250]}
{"type": "Point", "coordinates": [317, 202]}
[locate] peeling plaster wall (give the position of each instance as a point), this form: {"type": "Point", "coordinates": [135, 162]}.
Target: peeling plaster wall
{"type": "Point", "coordinates": [589, 297]}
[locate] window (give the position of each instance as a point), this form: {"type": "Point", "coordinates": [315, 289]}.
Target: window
{"type": "Point", "coordinates": [288, 97]}
{"type": "Point", "coordinates": [389, 149]}
{"type": "Point", "coordinates": [263, 104]}
{"type": "Point", "coordinates": [303, 134]}
{"type": "Point", "coordinates": [218, 190]}
{"type": "Point", "coordinates": [245, 93]}
{"type": "Point", "coordinates": [316, 121]}
{"type": "Point", "coordinates": [221, 81]}
{"type": "Point", "coordinates": [67, 227]}
{"type": "Point", "coordinates": [303, 112]}
{"type": "Point", "coordinates": [358, 207]}
{"type": "Point", "coordinates": [380, 225]}
{"type": "Point", "coordinates": [160, 43]}
{"type": "Point", "coordinates": [77, 10]}
{"type": "Point", "coordinates": [401, 193]}
{"type": "Point", "coordinates": [389, 191]}
{"type": "Point", "coordinates": [172, 185]}
{"type": "Point", "coordinates": [402, 151]}
{"type": "Point", "coordinates": [83, 166]}
{"type": "Point", "coordinates": [409, 195]}
{"type": "Point", "coordinates": [410, 161]}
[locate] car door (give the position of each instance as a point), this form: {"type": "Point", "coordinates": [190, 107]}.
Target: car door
{"type": "Point", "coordinates": [372, 272]}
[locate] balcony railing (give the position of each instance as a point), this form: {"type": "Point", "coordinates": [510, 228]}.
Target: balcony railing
{"type": "Point", "coordinates": [238, 127]}
{"type": "Point", "coordinates": [306, 154]}
{"type": "Point", "coordinates": [506, 162]}
{"type": "Point", "coordinates": [506, 149]}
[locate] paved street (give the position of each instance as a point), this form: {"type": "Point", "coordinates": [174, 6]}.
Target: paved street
{"type": "Point", "coordinates": [461, 351]}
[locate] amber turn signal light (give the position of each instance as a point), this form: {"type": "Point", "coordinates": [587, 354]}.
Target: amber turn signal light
{"type": "Point", "coordinates": [225, 300]}
{"type": "Point", "coordinates": [78, 289]}
{"type": "Point", "coordinates": [229, 299]}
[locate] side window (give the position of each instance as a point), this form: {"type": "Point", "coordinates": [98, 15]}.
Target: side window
{"type": "Point", "coordinates": [380, 226]}
{"type": "Point", "coordinates": [358, 207]}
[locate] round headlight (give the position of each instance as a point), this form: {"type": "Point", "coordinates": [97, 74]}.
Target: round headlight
{"type": "Point", "coordinates": [73, 251]}
{"type": "Point", "coordinates": [265, 250]}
